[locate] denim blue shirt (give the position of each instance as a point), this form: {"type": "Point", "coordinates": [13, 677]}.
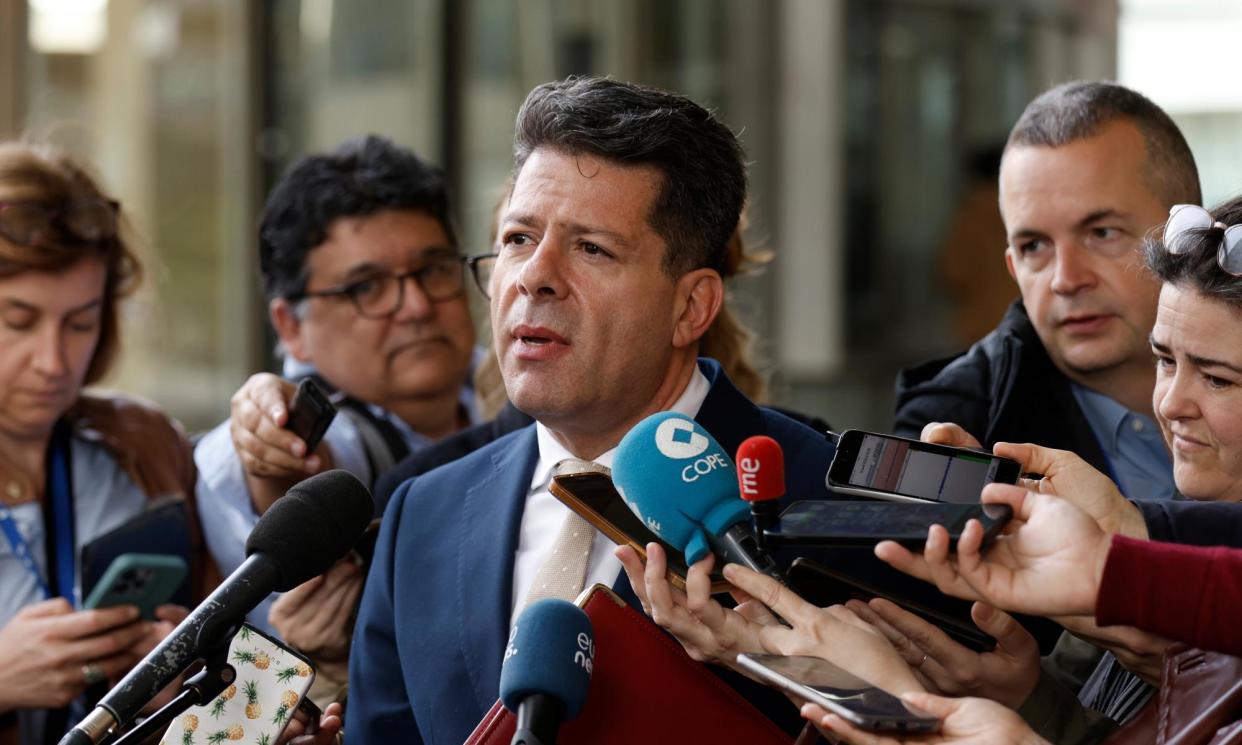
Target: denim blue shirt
{"type": "Point", "coordinates": [1133, 445]}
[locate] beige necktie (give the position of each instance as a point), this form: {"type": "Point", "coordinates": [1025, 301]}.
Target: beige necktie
{"type": "Point", "coordinates": [563, 572]}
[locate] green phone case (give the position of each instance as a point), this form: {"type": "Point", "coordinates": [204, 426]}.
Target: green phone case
{"type": "Point", "coordinates": [144, 580]}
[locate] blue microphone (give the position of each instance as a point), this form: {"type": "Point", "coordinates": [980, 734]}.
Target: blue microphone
{"type": "Point", "coordinates": [547, 668]}
{"type": "Point", "coordinates": [683, 485]}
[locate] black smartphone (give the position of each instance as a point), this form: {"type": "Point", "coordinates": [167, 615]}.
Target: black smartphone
{"type": "Point", "coordinates": [593, 496]}
{"type": "Point", "coordinates": [310, 414]}
{"type": "Point", "coordinates": [824, 586]}
{"type": "Point", "coordinates": [846, 695]}
{"type": "Point", "coordinates": [859, 523]}
{"type": "Point", "coordinates": [893, 468]}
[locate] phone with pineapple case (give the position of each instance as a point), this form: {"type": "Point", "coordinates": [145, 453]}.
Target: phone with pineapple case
{"type": "Point", "coordinates": [271, 682]}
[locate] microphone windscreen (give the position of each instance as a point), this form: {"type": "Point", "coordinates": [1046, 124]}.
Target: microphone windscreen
{"type": "Point", "coordinates": [551, 651]}
{"type": "Point", "coordinates": [304, 532]}
{"type": "Point", "coordinates": [760, 469]}
{"type": "Point", "coordinates": [679, 481]}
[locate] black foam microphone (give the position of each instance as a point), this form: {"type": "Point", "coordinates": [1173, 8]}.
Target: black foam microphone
{"type": "Point", "coordinates": [301, 536]}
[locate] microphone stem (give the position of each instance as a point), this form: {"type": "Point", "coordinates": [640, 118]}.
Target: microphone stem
{"type": "Point", "coordinates": [539, 717]}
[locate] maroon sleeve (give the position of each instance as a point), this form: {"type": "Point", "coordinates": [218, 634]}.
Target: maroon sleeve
{"type": "Point", "coordinates": [1186, 593]}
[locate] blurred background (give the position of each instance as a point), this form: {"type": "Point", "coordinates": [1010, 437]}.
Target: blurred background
{"type": "Point", "coordinates": [873, 127]}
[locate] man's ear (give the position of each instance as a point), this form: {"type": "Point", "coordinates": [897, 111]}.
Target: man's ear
{"type": "Point", "coordinates": [1009, 263]}
{"type": "Point", "coordinates": [288, 328]}
{"type": "Point", "coordinates": [700, 295]}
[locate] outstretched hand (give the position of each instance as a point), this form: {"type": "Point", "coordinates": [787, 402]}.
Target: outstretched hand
{"type": "Point", "coordinates": [710, 632]}
{"type": "Point", "coordinates": [1048, 561]}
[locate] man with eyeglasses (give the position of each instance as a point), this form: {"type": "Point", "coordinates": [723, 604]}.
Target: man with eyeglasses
{"type": "Point", "coordinates": [366, 292]}
{"type": "Point", "coordinates": [1090, 169]}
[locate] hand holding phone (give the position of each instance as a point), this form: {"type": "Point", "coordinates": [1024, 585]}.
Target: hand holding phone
{"type": "Point", "coordinates": [47, 650]}
{"type": "Point", "coordinates": [855, 700]}
{"type": "Point", "coordinates": [310, 414]}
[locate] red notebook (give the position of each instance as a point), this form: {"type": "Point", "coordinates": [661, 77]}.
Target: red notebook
{"type": "Point", "coordinates": [644, 688]}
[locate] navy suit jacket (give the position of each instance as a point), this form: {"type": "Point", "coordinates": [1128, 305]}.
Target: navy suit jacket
{"type": "Point", "coordinates": [434, 618]}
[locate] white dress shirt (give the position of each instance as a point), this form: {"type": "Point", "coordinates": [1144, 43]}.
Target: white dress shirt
{"type": "Point", "coordinates": [544, 513]}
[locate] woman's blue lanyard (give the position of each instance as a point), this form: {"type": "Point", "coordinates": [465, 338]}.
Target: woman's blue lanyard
{"type": "Point", "coordinates": [61, 534]}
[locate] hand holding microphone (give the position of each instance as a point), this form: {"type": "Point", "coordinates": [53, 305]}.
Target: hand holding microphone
{"type": "Point", "coordinates": [547, 669]}
{"type": "Point", "coordinates": [683, 485]}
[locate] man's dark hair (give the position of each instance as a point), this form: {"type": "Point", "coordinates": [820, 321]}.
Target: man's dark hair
{"type": "Point", "coordinates": [358, 179]}
{"type": "Point", "coordinates": [1197, 268]}
{"type": "Point", "coordinates": [1080, 109]}
{"type": "Point", "coordinates": [702, 163]}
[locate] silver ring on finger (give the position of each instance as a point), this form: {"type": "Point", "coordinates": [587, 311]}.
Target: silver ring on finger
{"type": "Point", "coordinates": [92, 674]}
{"type": "Point", "coordinates": [922, 661]}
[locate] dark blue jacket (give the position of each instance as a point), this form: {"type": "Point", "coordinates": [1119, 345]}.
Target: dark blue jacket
{"type": "Point", "coordinates": [434, 618]}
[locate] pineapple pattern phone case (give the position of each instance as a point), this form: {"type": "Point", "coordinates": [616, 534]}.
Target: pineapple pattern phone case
{"type": "Point", "coordinates": [271, 681]}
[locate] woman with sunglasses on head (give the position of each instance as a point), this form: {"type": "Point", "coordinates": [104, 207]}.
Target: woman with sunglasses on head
{"type": "Point", "coordinates": [73, 465]}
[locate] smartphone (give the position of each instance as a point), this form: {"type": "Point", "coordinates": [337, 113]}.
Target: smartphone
{"type": "Point", "coordinates": [269, 690]}
{"type": "Point", "coordinates": [865, 577]}
{"type": "Point", "coordinates": [849, 697]}
{"type": "Point", "coordinates": [859, 523]}
{"type": "Point", "coordinates": [144, 580]}
{"type": "Point", "coordinates": [593, 496]}
{"type": "Point", "coordinates": [899, 469]}
{"type": "Point", "coordinates": [163, 528]}
{"type": "Point", "coordinates": [310, 414]}
{"type": "Point", "coordinates": [823, 586]}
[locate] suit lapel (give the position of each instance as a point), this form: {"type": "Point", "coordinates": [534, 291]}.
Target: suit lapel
{"type": "Point", "coordinates": [728, 415]}
{"type": "Point", "coordinates": [491, 519]}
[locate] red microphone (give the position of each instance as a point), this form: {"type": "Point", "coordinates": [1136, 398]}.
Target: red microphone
{"type": "Point", "coordinates": [761, 481]}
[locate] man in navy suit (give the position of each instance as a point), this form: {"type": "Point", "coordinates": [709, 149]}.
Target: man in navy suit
{"type": "Point", "coordinates": [606, 277]}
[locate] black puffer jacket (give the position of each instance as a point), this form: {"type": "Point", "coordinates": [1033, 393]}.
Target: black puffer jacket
{"type": "Point", "coordinates": [1003, 389]}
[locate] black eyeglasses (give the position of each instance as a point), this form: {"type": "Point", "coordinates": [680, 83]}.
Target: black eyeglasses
{"type": "Point", "coordinates": [481, 266]}
{"type": "Point", "coordinates": [76, 220]}
{"type": "Point", "coordinates": [380, 296]}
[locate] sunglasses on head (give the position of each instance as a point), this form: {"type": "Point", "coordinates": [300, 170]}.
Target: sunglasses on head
{"type": "Point", "coordinates": [90, 221]}
{"type": "Point", "coordinates": [1184, 231]}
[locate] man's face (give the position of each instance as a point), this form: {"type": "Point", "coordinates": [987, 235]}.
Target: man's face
{"type": "Point", "coordinates": [1076, 216]}
{"type": "Point", "coordinates": [422, 351]}
{"type": "Point", "coordinates": [582, 309]}
{"type": "Point", "coordinates": [1198, 395]}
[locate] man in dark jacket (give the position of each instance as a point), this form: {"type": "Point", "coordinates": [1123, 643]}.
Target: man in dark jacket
{"type": "Point", "coordinates": [1089, 169]}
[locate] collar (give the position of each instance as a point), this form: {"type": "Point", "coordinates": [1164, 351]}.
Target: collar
{"type": "Point", "coordinates": [551, 451]}
{"type": "Point", "coordinates": [1110, 415]}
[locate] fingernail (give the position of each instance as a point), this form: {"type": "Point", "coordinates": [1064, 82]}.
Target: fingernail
{"type": "Point", "coordinates": [312, 463]}
{"type": "Point", "coordinates": [132, 612]}
{"type": "Point", "coordinates": [298, 448]}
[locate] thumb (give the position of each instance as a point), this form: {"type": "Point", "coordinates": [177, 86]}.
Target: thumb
{"type": "Point", "coordinates": [1035, 458]}
{"type": "Point", "coordinates": [1010, 635]}
{"type": "Point", "coordinates": [929, 703]}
